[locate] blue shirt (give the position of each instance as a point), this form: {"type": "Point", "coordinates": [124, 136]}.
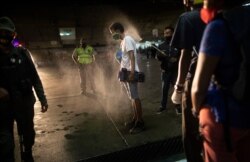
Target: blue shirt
{"type": "Point", "coordinates": [219, 41]}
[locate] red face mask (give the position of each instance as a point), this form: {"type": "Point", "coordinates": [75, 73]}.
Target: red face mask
{"type": "Point", "coordinates": [210, 10]}
{"type": "Point", "coordinates": [208, 14]}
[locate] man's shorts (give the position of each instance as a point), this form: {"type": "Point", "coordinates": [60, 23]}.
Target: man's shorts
{"type": "Point", "coordinates": [131, 88]}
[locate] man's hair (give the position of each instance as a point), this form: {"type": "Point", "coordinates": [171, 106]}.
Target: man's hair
{"type": "Point", "coordinates": [116, 26]}
{"type": "Point", "coordinates": [169, 27]}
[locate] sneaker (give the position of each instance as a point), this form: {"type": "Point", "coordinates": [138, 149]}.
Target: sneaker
{"type": "Point", "coordinates": [178, 110]}
{"type": "Point", "coordinates": [83, 93]}
{"type": "Point", "coordinates": [161, 110]}
{"type": "Point", "coordinates": [139, 127]}
{"type": "Point", "coordinates": [130, 124]}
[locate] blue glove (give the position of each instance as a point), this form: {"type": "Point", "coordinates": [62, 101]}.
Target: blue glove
{"type": "Point", "coordinates": [118, 56]}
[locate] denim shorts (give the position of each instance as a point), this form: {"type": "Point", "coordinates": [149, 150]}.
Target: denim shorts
{"type": "Point", "coordinates": [131, 88]}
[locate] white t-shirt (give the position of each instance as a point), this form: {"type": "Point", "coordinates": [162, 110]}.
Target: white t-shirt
{"type": "Point", "coordinates": [128, 44]}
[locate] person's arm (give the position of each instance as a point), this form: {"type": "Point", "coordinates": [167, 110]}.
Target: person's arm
{"type": "Point", "coordinates": [93, 54]}
{"type": "Point", "coordinates": [183, 66]}
{"type": "Point", "coordinates": [37, 84]}
{"type": "Point", "coordinates": [74, 57]}
{"type": "Point", "coordinates": [205, 67]}
{"type": "Point", "coordinates": [132, 64]}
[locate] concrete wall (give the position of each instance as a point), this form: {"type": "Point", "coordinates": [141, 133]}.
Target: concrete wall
{"type": "Point", "coordinates": [39, 26]}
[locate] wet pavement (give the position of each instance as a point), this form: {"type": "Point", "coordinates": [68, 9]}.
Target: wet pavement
{"type": "Point", "coordinates": [82, 126]}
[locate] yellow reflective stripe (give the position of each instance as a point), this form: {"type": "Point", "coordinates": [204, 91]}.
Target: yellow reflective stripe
{"type": "Point", "coordinates": [198, 1]}
{"type": "Point", "coordinates": [85, 55]}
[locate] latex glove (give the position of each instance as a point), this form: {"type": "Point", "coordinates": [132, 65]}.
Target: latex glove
{"type": "Point", "coordinates": [176, 97]}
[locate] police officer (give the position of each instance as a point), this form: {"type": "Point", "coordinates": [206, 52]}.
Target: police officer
{"type": "Point", "coordinates": [83, 56]}
{"type": "Point", "coordinates": [18, 77]}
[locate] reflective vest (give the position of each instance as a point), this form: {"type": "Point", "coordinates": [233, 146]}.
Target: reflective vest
{"type": "Point", "coordinates": [85, 55]}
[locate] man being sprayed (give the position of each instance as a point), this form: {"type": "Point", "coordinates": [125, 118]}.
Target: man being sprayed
{"type": "Point", "coordinates": [129, 62]}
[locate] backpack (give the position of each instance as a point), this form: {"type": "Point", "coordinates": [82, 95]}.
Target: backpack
{"type": "Point", "coordinates": [240, 90]}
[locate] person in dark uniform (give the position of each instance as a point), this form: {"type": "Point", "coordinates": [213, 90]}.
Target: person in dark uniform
{"type": "Point", "coordinates": [18, 77]}
{"type": "Point", "coordinates": [169, 67]}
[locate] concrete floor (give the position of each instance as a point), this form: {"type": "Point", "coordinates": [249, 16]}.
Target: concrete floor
{"type": "Point", "coordinates": [78, 127]}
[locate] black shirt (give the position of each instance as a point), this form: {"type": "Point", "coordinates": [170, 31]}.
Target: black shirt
{"type": "Point", "coordinates": [166, 63]}
{"type": "Point", "coordinates": [188, 34]}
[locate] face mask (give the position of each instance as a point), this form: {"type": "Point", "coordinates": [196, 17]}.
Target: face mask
{"type": "Point", "coordinates": [207, 14]}
{"type": "Point", "coordinates": [210, 10]}
{"type": "Point", "coordinates": [116, 36]}
{"type": "Point", "coordinates": [6, 40]}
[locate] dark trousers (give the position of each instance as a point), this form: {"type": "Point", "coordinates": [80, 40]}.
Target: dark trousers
{"type": "Point", "coordinates": [190, 128]}
{"type": "Point", "coordinates": [167, 78]}
{"type": "Point", "coordinates": [24, 119]}
{"type": "Point", "coordinates": [21, 111]}
{"type": "Point", "coordinates": [6, 133]}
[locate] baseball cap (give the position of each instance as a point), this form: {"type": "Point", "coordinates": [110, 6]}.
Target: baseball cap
{"type": "Point", "coordinates": [7, 24]}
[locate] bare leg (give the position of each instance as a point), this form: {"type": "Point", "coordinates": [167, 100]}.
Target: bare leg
{"type": "Point", "coordinates": [137, 109]}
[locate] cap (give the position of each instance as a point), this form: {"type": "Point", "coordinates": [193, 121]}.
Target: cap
{"type": "Point", "coordinates": [7, 24]}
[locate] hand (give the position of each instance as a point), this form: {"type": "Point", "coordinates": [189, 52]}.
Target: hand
{"type": "Point", "coordinates": [131, 76]}
{"type": "Point", "coordinates": [44, 108]}
{"type": "Point", "coordinates": [4, 94]}
{"type": "Point", "coordinates": [195, 112]}
{"type": "Point", "coordinates": [176, 97]}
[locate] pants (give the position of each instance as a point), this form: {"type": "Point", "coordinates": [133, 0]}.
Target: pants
{"type": "Point", "coordinates": [24, 117]}
{"type": "Point", "coordinates": [167, 79]}
{"type": "Point", "coordinates": [214, 140]}
{"type": "Point", "coordinates": [86, 71]}
{"type": "Point", "coordinates": [131, 89]}
{"type": "Point", "coordinates": [21, 111]}
{"type": "Point", "coordinates": [6, 133]}
{"type": "Point", "coordinates": [190, 128]}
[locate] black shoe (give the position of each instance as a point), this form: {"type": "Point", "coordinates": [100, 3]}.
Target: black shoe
{"type": "Point", "coordinates": [28, 157]}
{"type": "Point", "coordinates": [139, 127]}
{"type": "Point", "coordinates": [178, 110]}
{"type": "Point", "coordinates": [83, 93]}
{"type": "Point", "coordinates": [161, 110]}
{"type": "Point", "coordinates": [130, 124]}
